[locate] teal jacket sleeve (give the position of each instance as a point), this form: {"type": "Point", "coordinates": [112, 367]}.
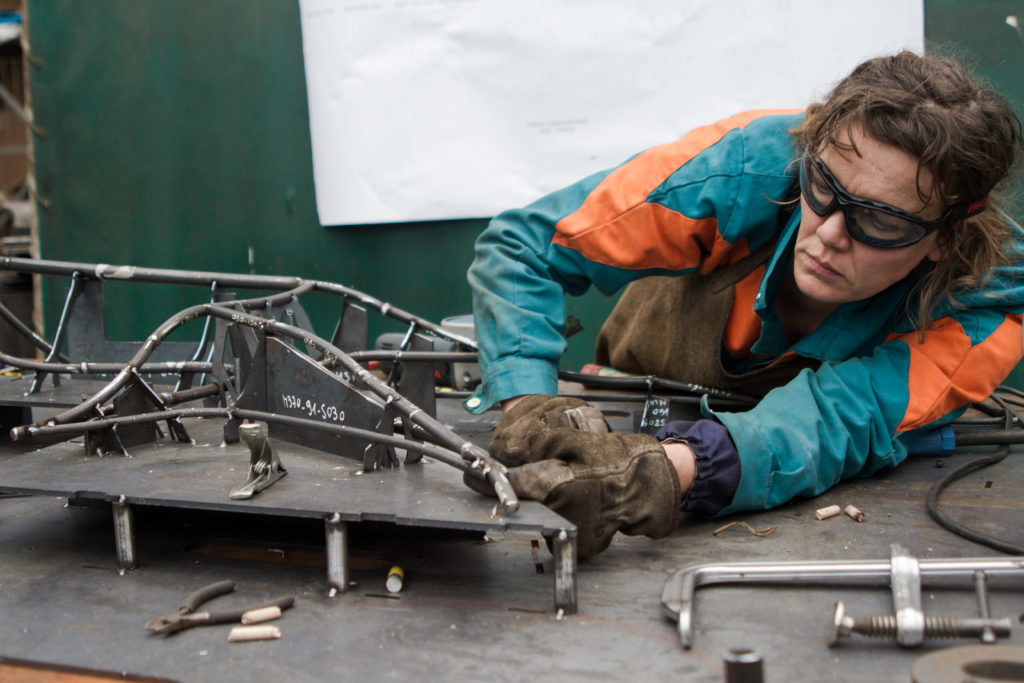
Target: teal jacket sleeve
{"type": "Point", "coordinates": [519, 280]}
{"type": "Point", "coordinates": [856, 416]}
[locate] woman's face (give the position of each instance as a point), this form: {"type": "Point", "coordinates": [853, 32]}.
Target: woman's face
{"type": "Point", "coordinates": [829, 267]}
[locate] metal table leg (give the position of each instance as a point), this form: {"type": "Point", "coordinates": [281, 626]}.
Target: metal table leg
{"type": "Point", "coordinates": [337, 554]}
{"type": "Point", "coordinates": [124, 535]}
{"type": "Point", "coordinates": [565, 572]}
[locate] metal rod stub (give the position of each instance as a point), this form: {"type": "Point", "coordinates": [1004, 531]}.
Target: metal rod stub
{"type": "Point", "coordinates": [743, 666]}
{"type": "Point", "coordinates": [337, 554]}
{"type": "Point", "coordinates": [124, 535]}
{"type": "Point", "coordinates": [565, 572]}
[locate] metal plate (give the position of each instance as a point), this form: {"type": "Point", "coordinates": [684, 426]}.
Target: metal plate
{"type": "Point", "coordinates": [199, 476]}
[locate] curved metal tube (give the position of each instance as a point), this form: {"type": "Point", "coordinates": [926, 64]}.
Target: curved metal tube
{"type": "Point", "coordinates": [103, 271]}
{"type": "Point", "coordinates": [387, 309]}
{"type": "Point", "coordinates": [134, 366]}
{"type": "Point", "coordinates": [28, 333]}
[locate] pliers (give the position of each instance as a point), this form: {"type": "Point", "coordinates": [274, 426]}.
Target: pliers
{"type": "Point", "coordinates": [187, 617]}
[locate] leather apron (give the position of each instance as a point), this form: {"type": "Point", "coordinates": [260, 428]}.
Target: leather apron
{"type": "Point", "coordinates": [673, 326]}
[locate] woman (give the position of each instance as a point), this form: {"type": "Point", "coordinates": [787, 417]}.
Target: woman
{"type": "Point", "coordinates": [848, 262]}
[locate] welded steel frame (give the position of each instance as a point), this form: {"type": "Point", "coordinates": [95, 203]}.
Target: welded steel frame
{"type": "Point", "coordinates": [465, 455]}
{"type": "Point", "coordinates": [268, 321]}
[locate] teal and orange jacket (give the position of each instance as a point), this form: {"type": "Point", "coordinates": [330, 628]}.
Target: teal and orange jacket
{"type": "Point", "coordinates": [704, 201]}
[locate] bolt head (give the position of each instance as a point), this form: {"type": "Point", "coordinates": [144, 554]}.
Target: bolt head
{"type": "Point", "coordinates": [839, 627]}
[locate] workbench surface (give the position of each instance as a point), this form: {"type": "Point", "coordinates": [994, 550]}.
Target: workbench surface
{"type": "Point", "coordinates": [478, 605]}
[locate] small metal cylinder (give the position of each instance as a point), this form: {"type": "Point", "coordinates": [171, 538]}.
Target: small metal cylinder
{"type": "Point", "coordinates": [565, 572]}
{"type": "Point", "coordinates": [337, 554]}
{"type": "Point", "coordinates": [395, 580]}
{"type": "Point", "coordinates": [981, 591]}
{"type": "Point", "coordinates": [124, 535]}
{"type": "Point", "coordinates": [743, 666]}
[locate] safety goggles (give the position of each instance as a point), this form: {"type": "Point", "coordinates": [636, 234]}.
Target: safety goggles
{"type": "Point", "coordinates": [872, 222]}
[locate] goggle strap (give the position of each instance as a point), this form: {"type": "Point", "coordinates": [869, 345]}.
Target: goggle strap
{"type": "Point", "coordinates": [976, 207]}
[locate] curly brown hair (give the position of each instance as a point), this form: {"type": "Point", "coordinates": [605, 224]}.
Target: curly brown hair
{"type": "Point", "coordinates": [965, 134]}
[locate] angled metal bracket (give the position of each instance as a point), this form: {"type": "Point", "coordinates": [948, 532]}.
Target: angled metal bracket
{"type": "Point", "coordinates": [264, 464]}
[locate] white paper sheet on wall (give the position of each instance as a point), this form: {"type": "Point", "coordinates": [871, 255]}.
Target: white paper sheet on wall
{"type": "Point", "coordinates": [438, 109]}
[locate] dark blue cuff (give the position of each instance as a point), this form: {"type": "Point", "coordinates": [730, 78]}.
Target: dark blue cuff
{"type": "Point", "coordinates": [718, 463]}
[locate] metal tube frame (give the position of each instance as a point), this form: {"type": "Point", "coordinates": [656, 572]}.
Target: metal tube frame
{"type": "Point", "coordinates": [441, 443]}
{"type": "Point", "coordinates": [27, 332]}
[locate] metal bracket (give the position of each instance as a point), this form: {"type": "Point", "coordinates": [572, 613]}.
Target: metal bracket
{"type": "Point", "coordinates": [264, 464]}
{"type": "Point", "coordinates": [351, 331]}
{"type": "Point", "coordinates": [138, 397]}
{"type": "Point", "coordinates": [281, 379]}
{"type": "Point", "coordinates": [377, 456]}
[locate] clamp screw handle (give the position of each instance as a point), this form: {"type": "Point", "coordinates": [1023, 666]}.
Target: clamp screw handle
{"type": "Point", "coordinates": [843, 625]}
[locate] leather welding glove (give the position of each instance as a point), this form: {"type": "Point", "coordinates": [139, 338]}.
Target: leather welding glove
{"type": "Point", "coordinates": [602, 483]}
{"type": "Point", "coordinates": [533, 415]}
{"type": "Point", "coordinates": [510, 440]}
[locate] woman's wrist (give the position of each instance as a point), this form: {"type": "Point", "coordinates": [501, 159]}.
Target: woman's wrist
{"type": "Point", "coordinates": [508, 403]}
{"type": "Point", "coordinates": [683, 460]}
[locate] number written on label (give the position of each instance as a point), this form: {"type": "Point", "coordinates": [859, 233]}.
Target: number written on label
{"type": "Point", "coordinates": [655, 414]}
{"type": "Point", "coordinates": [314, 409]}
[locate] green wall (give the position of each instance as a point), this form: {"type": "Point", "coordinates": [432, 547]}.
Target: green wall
{"type": "Point", "coordinates": [177, 136]}
{"type": "Point", "coordinates": [977, 33]}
